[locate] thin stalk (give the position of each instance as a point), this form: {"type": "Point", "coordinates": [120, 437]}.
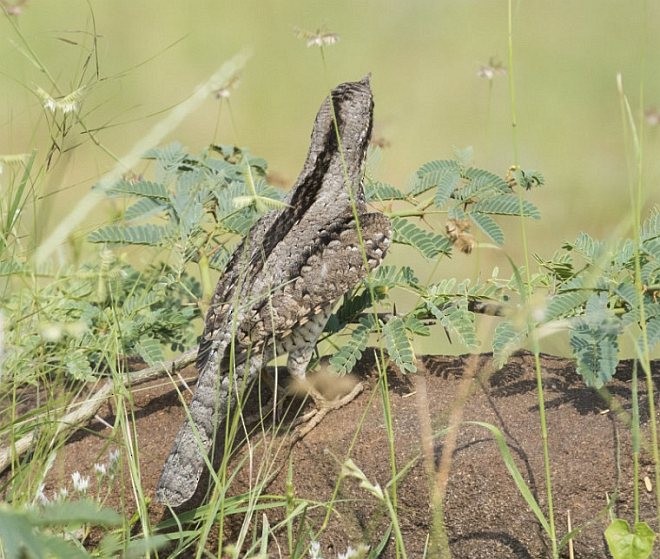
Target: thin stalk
{"type": "Point", "coordinates": [524, 291]}
{"type": "Point", "coordinates": [389, 426]}
{"type": "Point", "coordinates": [636, 197]}
{"type": "Point", "coordinates": [512, 82]}
{"type": "Point", "coordinates": [391, 498]}
{"type": "Point", "coordinates": [634, 428]}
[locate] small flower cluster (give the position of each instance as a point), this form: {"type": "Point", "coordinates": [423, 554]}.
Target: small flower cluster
{"type": "Point", "coordinates": [79, 482]}
{"type": "Point", "coordinates": [493, 69]}
{"type": "Point", "coordinates": [652, 117]}
{"type": "Point", "coordinates": [67, 104]}
{"type": "Point", "coordinates": [13, 8]}
{"type": "Point", "coordinates": [351, 553]}
{"type": "Point", "coordinates": [319, 38]}
{"type": "Point", "coordinates": [225, 91]}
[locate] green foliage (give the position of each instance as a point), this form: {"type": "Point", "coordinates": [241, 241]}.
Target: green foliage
{"type": "Point", "coordinates": [594, 339]}
{"type": "Point", "coordinates": [427, 243]}
{"type": "Point", "coordinates": [398, 344]}
{"type": "Point", "coordinates": [195, 203]}
{"type": "Point", "coordinates": [463, 192]}
{"type": "Point", "coordinates": [625, 543]}
{"type": "Point", "coordinates": [28, 534]}
{"type": "Point", "coordinates": [506, 339]}
{"type": "Point", "coordinates": [592, 286]}
{"type": "Point", "coordinates": [83, 317]}
{"type": "Point", "coordinates": [345, 359]}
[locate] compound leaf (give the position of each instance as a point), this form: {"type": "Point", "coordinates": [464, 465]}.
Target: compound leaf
{"type": "Point", "coordinates": [399, 346]}
{"type": "Point", "coordinates": [489, 226]}
{"type": "Point", "coordinates": [147, 234]}
{"type": "Point", "coordinates": [429, 244]}
{"type": "Point", "coordinates": [594, 339]}
{"type": "Point", "coordinates": [507, 204]}
{"type": "Point", "coordinates": [345, 359]}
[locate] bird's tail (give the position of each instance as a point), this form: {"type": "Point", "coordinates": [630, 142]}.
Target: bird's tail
{"type": "Point", "coordinates": [189, 456]}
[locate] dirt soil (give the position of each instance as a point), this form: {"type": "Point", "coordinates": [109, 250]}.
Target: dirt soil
{"type": "Point", "coordinates": [485, 515]}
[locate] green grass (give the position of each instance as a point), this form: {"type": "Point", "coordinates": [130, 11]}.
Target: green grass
{"type": "Point", "coordinates": [71, 309]}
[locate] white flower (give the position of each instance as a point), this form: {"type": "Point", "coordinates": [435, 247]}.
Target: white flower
{"type": "Point", "coordinates": [361, 551]}
{"type": "Point", "coordinates": [67, 104]}
{"type": "Point", "coordinates": [113, 457]}
{"type": "Point", "coordinates": [493, 69]}
{"type": "Point", "coordinates": [41, 496]}
{"type": "Point", "coordinates": [315, 550]}
{"type": "Point", "coordinates": [80, 483]}
{"type": "Point", "coordinates": [318, 38]}
{"type": "Point", "coordinates": [100, 469]}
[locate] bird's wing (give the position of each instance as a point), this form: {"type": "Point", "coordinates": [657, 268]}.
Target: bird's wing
{"type": "Point", "coordinates": [334, 265]}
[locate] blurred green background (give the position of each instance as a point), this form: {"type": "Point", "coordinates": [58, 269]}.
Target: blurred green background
{"type": "Point", "coordinates": [424, 57]}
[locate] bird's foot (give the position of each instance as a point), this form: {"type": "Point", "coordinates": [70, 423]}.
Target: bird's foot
{"type": "Point", "coordinates": [304, 424]}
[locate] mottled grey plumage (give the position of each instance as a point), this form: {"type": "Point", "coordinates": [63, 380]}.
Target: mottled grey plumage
{"type": "Point", "coordinates": [283, 280]}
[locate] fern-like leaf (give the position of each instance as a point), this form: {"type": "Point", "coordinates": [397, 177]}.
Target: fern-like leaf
{"type": "Point", "coordinates": [507, 204]}
{"type": "Point", "coordinates": [653, 331]}
{"type": "Point", "coordinates": [168, 157]}
{"type": "Point", "coordinates": [376, 191]}
{"type": "Point", "coordinates": [347, 312]}
{"type": "Point", "coordinates": [481, 180]}
{"type": "Point", "coordinates": [150, 350]}
{"type": "Point", "coordinates": [429, 175]}
{"type": "Point", "coordinates": [148, 234]}
{"type": "Point", "coordinates": [565, 304]}
{"type": "Point", "coordinates": [651, 226]}
{"type": "Point", "coordinates": [589, 248]}
{"type": "Point", "coordinates": [506, 340]}
{"type": "Point", "coordinates": [220, 257]}
{"type": "Point", "coordinates": [399, 346]}
{"type": "Point", "coordinates": [489, 226]}
{"type": "Point", "coordinates": [447, 182]}
{"type": "Point", "coordinates": [415, 326]}
{"type": "Point", "coordinates": [145, 207]}
{"type": "Point", "coordinates": [391, 276]}
{"type": "Point", "coordinates": [594, 339]}
{"type": "Point", "coordinates": [145, 189]}
{"type": "Point", "coordinates": [457, 320]}
{"type": "Point", "coordinates": [345, 359]}
{"type": "Point", "coordinates": [77, 365]}
{"type": "Point", "coordinates": [429, 244]}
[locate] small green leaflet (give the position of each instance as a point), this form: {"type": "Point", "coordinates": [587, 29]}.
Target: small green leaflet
{"type": "Point", "coordinates": [481, 180]}
{"type": "Point", "coordinates": [507, 204]}
{"type": "Point", "coordinates": [147, 234]}
{"type": "Point", "coordinates": [489, 226]}
{"type": "Point", "coordinates": [429, 244]}
{"type": "Point", "coordinates": [506, 340]}
{"type": "Point", "coordinates": [457, 320]}
{"type": "Point", "coordinates": [594, 339]}
{"type": "Point", "coordinates": [376, 191]}
{"type": "Point", "coordinates": [399, 346]}
{"type": "Point", "coordinates": [625, 543]}
{"type": "Point", "coordinates": [345, 359]}
{"type": "Point", "coordinates": [146, 189]}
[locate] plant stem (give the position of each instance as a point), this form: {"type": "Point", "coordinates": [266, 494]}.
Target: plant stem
{"type": "Point", "coordinates": [512, 87]}
{"type": "Point", "coordinates": [525, 296]}
{"type": "Point", "coordinates": [634, 428]}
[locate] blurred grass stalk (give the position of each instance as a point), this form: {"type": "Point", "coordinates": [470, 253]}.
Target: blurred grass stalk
{"type": "Point", "coordinates": [637, 199]}
{"type": "Point", "coordinates": [525, 292]}
{"type": "Point", "coordinates": [218, 79]}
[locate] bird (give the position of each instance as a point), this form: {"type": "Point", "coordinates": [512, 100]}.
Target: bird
{"type": "Point", "coordinates": [282, 283]}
